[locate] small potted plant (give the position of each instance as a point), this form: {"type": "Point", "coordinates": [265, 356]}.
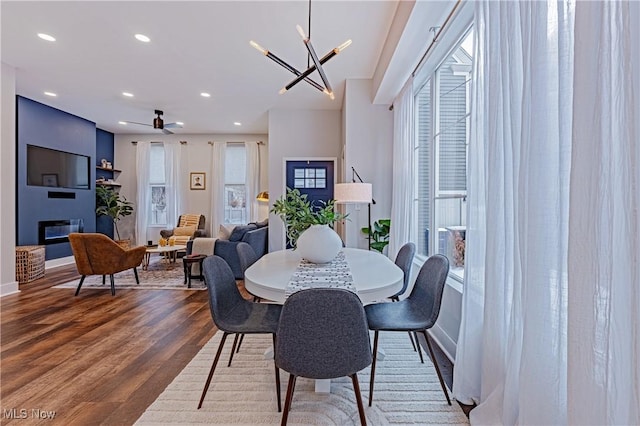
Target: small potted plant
{"type": "Point", "coordinates": [299, 215]}
{"type": "Point", "coordinates": [379, 234]}
{"type": "Point", "coordinates": [110, 203]}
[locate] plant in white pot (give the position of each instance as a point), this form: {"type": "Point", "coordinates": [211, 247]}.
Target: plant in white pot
{"type": "Point", "coordinates": [309, 226]}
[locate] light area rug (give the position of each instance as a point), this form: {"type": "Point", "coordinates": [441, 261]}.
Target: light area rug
{"type": "Point", "coordinates": [406, 391]}
{"type": "Point", "coordinates": [160, 275]}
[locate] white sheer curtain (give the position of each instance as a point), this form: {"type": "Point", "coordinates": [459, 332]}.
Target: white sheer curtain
{"type": "Point", "coordinates": [143, 161]}
{"type": "Point", "coordinates": [174, 181]}
{"type": "Point", "coordinates": [512, 343]}
{"type": "Point", "coordinates": [604, 249]}
{"type": "Point", "coordinates": [217, 181]}
{"type": "Point", "coordinates": [403, 169]}
{"type": "Point", "coordinates": [252, 181]}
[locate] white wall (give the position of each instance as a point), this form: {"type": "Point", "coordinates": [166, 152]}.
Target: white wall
{"type": "Point", "coordinates": [295, 134]}
{"type": "Point", "coordinates": [8, 283]}
{"type": "Point", "coordinates": [198, 158]}
{"type": "Point", "coordinates": [368, 148]}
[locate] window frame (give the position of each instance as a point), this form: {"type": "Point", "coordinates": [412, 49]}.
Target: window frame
{"type": "Point", "coordinates": [431, 76]}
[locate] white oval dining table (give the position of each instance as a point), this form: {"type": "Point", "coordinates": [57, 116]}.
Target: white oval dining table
{"type": "Point", "coordinates": [375, 278]}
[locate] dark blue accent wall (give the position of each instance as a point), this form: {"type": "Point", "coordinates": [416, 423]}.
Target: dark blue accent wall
{"type": "Point", "coordinates": [104, 149]}
{"type": "Point", "coordinates": [41, 125]}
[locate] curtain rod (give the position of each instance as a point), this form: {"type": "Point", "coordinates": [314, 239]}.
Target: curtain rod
{"type": "Point", "coordinates": [259, 142]}
{"type": "Point", "coordinates": [435, 37]}
{"type": "Point", "coordinates": [136, 142]}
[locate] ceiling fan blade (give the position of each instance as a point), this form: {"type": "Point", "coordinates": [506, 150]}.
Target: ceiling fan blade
{"type": "Point", "coordinates": [173, 126]}
{"type": "Point", "coordinates": [167, 131]}
{"type": "Point", "coordinates": [135, 122]}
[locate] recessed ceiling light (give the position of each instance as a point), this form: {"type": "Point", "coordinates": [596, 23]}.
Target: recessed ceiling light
{"type": "Point", "coordinates": [143, 38]}
{"type": "Point", "coordinates": [179, 123]}
{"type": "Point", "coordinates": [124, 123]}
{"type": "Point", "coordinates": [237, 123]}
{"type": "Point", "coordinates": [205, 95]}
{"type": "Point", "coordinates": [53, 95]}
{"type": "Point", "coordinates": [127, 94]}
{"type": "Point", "coordinates": [46, 37]}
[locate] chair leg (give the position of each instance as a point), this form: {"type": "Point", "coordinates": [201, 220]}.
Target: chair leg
{"type": "Point", "coordinates": [213, 368]}
{"type": "Point", "coordinates": [412, 342]}
{"type": "Point", "coordinates": [356, 389]}
{"type": "Point", "coordinates": [103, 279]}
{"type": "Point", "coordinates": [373, 366]}
{"type": "Point", "coordinates": [287, 401]}
{"type": "Point", "coordinates": [415, 335]}
{"type": "Point", "coordinates": [113, 285]}
{"type": "Point", "coordinates": [135, 272]}
{"type": "Point", "coordinates": [80, 284]}
{"type": "Point", "coordinates": [435, 363]}
{"type": "Point", "coordinates": [233, 349]}
{"type": "Point", "coordinates": [277, 375]}
{"type": "Point", "coordinates": [240, 343]}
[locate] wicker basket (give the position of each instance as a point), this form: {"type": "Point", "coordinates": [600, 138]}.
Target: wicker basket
{"type": "Point", "coordinates": [29, 263]}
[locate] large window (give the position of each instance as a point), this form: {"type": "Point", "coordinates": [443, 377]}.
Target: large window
{"type": "Point", "coordinates": [157, 185]}
{"type": "Point", "coordinates": [442, 134]}
{"type": "Point", "coordinates": [235, 171]}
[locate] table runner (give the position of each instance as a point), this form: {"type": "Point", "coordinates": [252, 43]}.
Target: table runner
{"type": "Point", "coordinates": [335, 274]}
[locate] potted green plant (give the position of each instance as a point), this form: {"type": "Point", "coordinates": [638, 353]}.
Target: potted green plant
{"type": "Point", "coordinates": [110, 203]}
{"type": "Point", "coordinates": [299, 214]}
{"type": "Point", "coordinates": [379, 234]}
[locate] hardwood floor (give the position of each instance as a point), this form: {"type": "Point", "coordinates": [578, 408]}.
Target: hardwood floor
{"type": "Point", "coordinates": [94, 358]}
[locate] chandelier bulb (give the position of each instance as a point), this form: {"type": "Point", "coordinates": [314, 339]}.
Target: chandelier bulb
{"type": "Point", "coordinates": [301, 32]}
{"type": "Point", "coordinates": [283, 91]}
{"type": "Point", "coordinates": [343, 46]}
{"type": "Point", "coordinates": [258, 47]}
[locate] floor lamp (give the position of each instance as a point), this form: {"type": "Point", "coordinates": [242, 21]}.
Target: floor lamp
{"type": "Point", "coordinates": [355, 193]}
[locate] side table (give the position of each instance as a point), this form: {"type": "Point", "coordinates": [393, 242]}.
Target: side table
{"type": "Point", "coordinates": [188, 262]}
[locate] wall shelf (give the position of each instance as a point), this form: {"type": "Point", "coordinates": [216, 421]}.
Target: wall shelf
{"type": "Point", "coordinates": [108, 170]}
{"type": "Point", "coordinates": [108, 184]}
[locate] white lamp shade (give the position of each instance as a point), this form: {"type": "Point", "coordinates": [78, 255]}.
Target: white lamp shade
{"type": "Point", "coordinates": [353, 193]}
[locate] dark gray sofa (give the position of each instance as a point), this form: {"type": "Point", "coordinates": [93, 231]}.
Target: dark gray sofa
{"type": "Point", "coordinates": [256, 237]}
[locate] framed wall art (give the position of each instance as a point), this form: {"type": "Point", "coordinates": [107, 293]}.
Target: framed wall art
{"type": "Point", "coordinates": [198, 180]}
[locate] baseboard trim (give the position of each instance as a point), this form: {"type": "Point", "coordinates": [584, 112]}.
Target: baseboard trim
{"type": "Point", "coordinates": [55, 263]}
{"type": "Point", "coordinates": [446, 343]}
{"type": "Point", "coordinates": [9, 288]}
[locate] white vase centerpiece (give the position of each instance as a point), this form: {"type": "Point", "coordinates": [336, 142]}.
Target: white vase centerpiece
{"type": "Point", "coordinates": [308, 226]}
{"type": "Point", "coordinates": [319, 244]}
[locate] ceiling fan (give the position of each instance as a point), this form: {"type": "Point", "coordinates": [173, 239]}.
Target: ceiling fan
{"type": "Point", "coordinates": [158, 123]}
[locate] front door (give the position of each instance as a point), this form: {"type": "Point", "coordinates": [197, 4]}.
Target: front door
{"type": "Point", "coordinates": [314, 178]}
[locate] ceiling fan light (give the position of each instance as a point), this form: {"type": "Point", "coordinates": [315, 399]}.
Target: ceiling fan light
{"type": "Point", "coordinates": [158, 123]}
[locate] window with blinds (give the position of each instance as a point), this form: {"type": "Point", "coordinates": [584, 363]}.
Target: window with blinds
{"type": "Point", "coordinates": [441, 146]}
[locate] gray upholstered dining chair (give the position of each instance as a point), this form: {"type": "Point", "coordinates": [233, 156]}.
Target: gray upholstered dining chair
{"type": "Point", "coordinates": [322, 335]}
{"type": "Point", "coordinates": [404, 260]}
{"type": "Point", "coordinates": [247, 257]}
{"type": "Point", "coordinates": [232, 314]}
{"type": "Point", "coordinates": [416, 313]}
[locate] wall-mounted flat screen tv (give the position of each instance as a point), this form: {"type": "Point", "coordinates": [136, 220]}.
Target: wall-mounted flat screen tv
{"type": "Point", "coordinates": [58, 169]}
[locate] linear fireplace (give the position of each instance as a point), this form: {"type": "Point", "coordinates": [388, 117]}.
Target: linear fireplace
{"type": "Point", "coordinates": [57, 231]}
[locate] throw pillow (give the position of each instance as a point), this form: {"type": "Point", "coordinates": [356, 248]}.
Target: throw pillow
{"type": "Point", "coordinates": [225, 231]}
{"type": "Point", "coordinates": [240, 230]}
{"type": "Point", "coordinates": [263, 223]}
{"type": "Point", "coordinates": [184, 231]}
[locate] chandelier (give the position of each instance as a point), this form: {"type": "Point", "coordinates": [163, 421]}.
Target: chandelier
{"type": "Point", "coordinates": [312, 56]}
